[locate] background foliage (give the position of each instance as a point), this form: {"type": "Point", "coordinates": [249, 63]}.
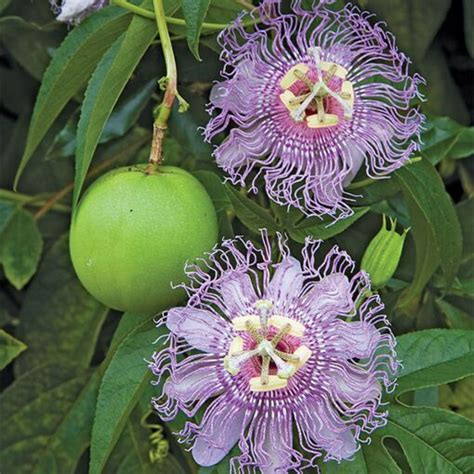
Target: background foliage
{"type": "Point", "coordinates": [75, 387]}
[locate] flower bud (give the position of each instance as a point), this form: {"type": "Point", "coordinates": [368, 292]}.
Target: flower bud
{"type": "Point", "coordinates": [382, 255]}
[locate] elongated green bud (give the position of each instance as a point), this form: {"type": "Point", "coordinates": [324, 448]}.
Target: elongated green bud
{"type": "Point", "coordinates": [382, 255]}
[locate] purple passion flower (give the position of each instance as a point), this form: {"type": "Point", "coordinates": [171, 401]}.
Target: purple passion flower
{"type": "Point", "coordinates": [74, 11]}
{"type": "Point", "coordinates": [309, 97]}
{"type": "Point", "coordinates": [288, 360]}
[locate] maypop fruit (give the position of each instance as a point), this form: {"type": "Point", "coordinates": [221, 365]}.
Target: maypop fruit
{"type": "Point", "coordinates": [133, 232]}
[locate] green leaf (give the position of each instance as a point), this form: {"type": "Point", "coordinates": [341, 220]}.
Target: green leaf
{"type": "Point", "coordinates": [216, 190]}
{"type": "Point", "coordinates": [223, 11]}
{"type": "Point", "coordinates": [10, 348]}
{"type": "Point", "coordinates": [122, 384]}
{"type": "Point", "coordinates": [104, 89]}
{"type": "Point", "coordinates": [120, 122]}
{"type": "Point", "coordinates": [408, 20]}
{"type": "Point", "coordinates": [194, 12]}
{"type": "Point", "coordinates": [29, 43]}
{"type": "Point", "coordinates": [47, 416]}
{"type": "Point", "coordinates": [7, 211]}
{"type": "Point", "coordinates": [325, 228]}
{"type": "Point", "coordinates": [250, 213]}
{"type": "Point", "coordinates": [58, 319]}
{"type": "Point", "coordinates": [433, 440]}
{"type": "Point", "coordinates": [185, 127]}
{"type": "Point", "coordinates": [444, 138]}
{"type": "Point", "coordinates": [130, 455]}
{"type": "Point", "coordinates": [68, 73]}
{"type": "Point", "coordinates": [443, 94]}
{"type": "Point", "coordinates": [4, 4]}
{"type": "Point", "coordinates": [20, 245]}
{"type": "Point", "coordinates": [458, 397]}
{"type": "Point", "coordinates": [436, 228]}
{"type": "Point", "coordinates": [372, 458]}
{"type": "Point", "coordinates": [433, 357]}
{"type": "Point", "coordinates": [456, 318]}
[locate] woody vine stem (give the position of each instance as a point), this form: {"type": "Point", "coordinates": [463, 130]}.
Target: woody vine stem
{"type": "Point", "coordinates": [168, 84]}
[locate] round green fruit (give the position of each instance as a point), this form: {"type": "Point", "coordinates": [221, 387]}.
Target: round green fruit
{"type": "Point", "coordinates": [133, 233]}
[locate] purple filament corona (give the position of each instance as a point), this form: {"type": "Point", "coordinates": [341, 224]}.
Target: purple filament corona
{"type": "Point", "coordinates": [289, 360]}
{"type": "Point", "coordinates": [359, 110]}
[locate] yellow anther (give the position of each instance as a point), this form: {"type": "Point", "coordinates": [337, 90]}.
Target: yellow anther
{"type": "Point", "coordinates": [303, 353]}
{"type": "Point", "coordinates": [347, 93]}
{"type": "Point", "coordinates": [297, 329]}
{"type": "Point", "coordinates": [263, 305]}
{"type": "Point", "coordinates": [236, 346]}
{"type": "Point", "coordinates": [288, 99]}
{"type": "Point", "coordinates": [288, 372]}
{"type": "Point", "coordinates": [329, 120]}
{"type": "Point", "coordinates": [290, 78]}
{"type": "Point", "coordinates": [339, 71]}
{"type": "Point", "coordinates": [240, 323]}
{"type": "Point", "coordinates": [233, 370]}
{"type": "Point", "coordinates": [274, 383]}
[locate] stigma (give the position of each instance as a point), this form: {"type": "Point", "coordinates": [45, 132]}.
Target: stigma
{"type": "Point", "coordinates": [307, 92]}
{"type": "Point", "coordinates": [258, 328]}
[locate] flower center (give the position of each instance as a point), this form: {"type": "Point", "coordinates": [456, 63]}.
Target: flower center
{"type": "Point", "coordinates": [308, 93]}
{"type": "Point", "coordinates": [258, 328]}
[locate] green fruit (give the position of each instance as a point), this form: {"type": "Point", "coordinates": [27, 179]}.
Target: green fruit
{"type": "Point", "coordinates": [133, 232]}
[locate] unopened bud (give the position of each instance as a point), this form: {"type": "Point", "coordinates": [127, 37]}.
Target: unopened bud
{"type": "Point", "coordinates": [382, 255]}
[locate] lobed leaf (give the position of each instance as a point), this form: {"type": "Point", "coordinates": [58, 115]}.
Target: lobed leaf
{"type": "Point", "coordinates": [458, 397]}
{"type": "Point", "coordinates": [432, 439]}
{"type": "Point", "coordinates": [433, 357]}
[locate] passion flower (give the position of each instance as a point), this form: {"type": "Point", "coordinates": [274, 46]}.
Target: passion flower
{"type": "Point", "coordinates": [266, 348]}
{"type": "Point", "coordinates": [309, 96]}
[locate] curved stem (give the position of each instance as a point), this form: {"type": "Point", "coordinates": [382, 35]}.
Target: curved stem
{"type": "Point", "coordinates": [168, 19]}
{"type": "Point", "coordinates": [31, 201]}
{"type": "Point", "coordinates": [133, 8]}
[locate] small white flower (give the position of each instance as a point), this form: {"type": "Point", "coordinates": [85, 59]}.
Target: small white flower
{"type": "Point", "coordinates": [73, 11]}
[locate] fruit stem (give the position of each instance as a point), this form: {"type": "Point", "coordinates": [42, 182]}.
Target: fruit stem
{"type": "Point", "coordinates": [169, 84]}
